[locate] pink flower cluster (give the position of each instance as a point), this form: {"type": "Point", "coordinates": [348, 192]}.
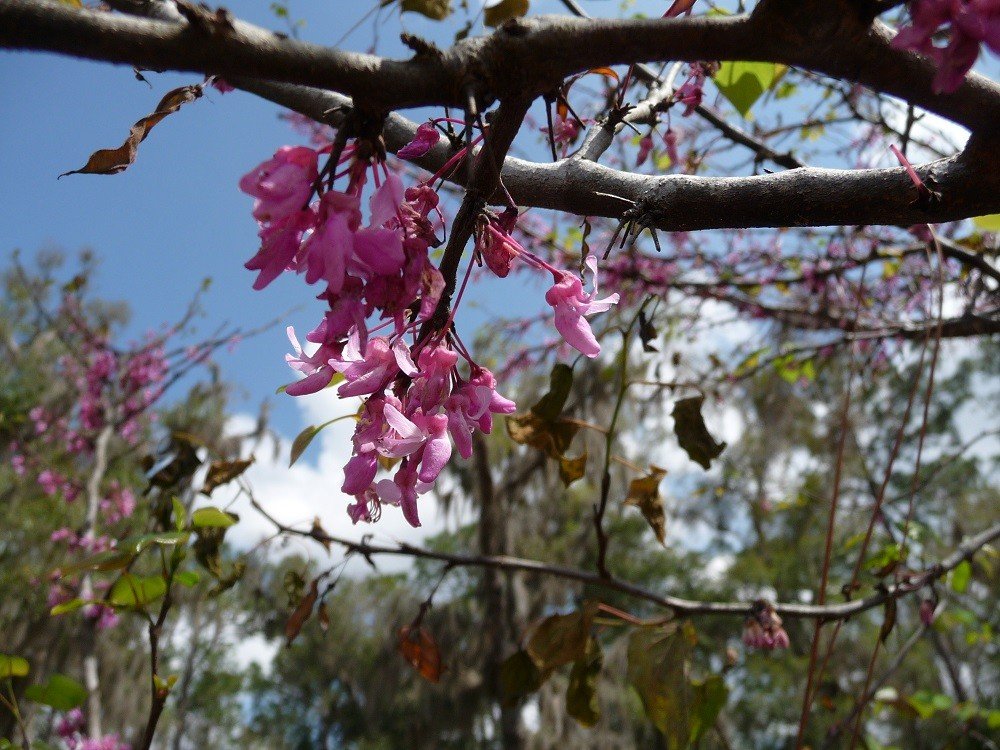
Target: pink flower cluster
{"type": "Point", "coordinates": [762, 629]}
{"type": "Point", "coordinates": [416, 395]}
{"type": "Point", "coordinates": [970, 22]}
{"type": "Point", "coordinates": [70, 729]}
{"type": "Point", "coordinates": [419, 399]}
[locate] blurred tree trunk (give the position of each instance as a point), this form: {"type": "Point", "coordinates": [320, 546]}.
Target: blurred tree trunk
{"type": "Point", "coordinates": [494, 539]}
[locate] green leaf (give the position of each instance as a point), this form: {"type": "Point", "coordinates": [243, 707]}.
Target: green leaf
{"type": "Point", "coordinates": [137, 591]}
{"type": "Point", "coordinates": [519, 676]}
{"type": "Point", "coordinates": [708, 697]}
{"type": "Point", "coordinates": [550, 406]}
{"type": "Point", "coordinates": [743, 83]}
{"type": "Point", "coordinates": [657, 669]}
{"type": "Point", "coordinates": [60, 692]}
{"type": "Point", "coordinates": [561, 639]}
{"type": "Point", "coordinates": [304, 438]}
{"type": "Point", "coordinates": [13, 666]}
{"type": "Point", "coordinates": [213, 518]}
{"type": "Point", "coordinates": [581, 693]}
{"type": "Point", "coordinates": [504, 10]}
{"type": "Point", "coordinates": [180, 514]}
{"type": "Point", "coordinates": [126, 551]}
{"type": "Point", "coordinates": [692, 434]}
{"type": "Point", "coordinates": [187, 578]}
{"type": "Point", "coordinates": [960, 576]}
{"type": "Point", "coordinates": [436, 9]}
{"type": "Point", "coordinates": [71, 606]}
{"type": "Point", "coordinates": [990, 223]}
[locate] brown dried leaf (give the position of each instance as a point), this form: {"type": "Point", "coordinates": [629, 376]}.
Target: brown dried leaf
{"type": "Point", "coordinates": [114, 160]}
{"type": "Point", "coordinates": [553, 438]}
{"type": "Point", "coordinates": [319, 533]}
{"type": "Point", "coordinates": [419, 649]}
{"type": "Point", "coordinates": [302, 612]}
{"type": "Point", "coordinates": [324, 618]}
{"type": "Point", "coordinates": [692, 434]}
{"type": "Point", "coordinates": [223, 472]}
{"type": "Point", "coordinates": [644, 493]}
{"type": "Point", "coordinates": [571, 469]}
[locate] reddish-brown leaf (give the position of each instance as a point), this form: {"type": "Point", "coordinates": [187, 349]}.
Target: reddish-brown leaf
{"type": "Point", "coordinates": [302, 612]}
{"type": "Point", "coordinates": [114, 160]}
{"type": "Point", "coordinates": [223, 472]}
{"type": "Point", "coordinates": [419, 649]}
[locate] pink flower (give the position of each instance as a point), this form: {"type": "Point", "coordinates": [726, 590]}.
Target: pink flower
{"type": "Point", "coordinates": [572, 305]}
{"type": "Point", "coordinates": [432, 383]}
{"type": "Point", "coordinates": [317, 368]}
{"type": "Point", "coordinates": [402, 490]}
{"type": "Point", "coordinates": [220, 85]}
{"type": "Point", "coordinates": [282, 184]}
{"type": "Point", "coordinates": [328, 249]}
{"type": "Point", "coordinates": [49, 481]}
{"type": "Point", "coordinates": [473, 405]}
{"type": "Point", "coordinates": [379, 366]}
{"type": "Point", "coordinates": [645, 146]}
{"type": "Point", "coordinates": [670, 141]}
{"type": "Point", "coordinates": [972, 22]}
{"type": "Point", "coordinates": [762, 629]}
{"type": "Point", "coordinates": [279, 244]}
{"type": "Point", "coordinates": [426, 138]}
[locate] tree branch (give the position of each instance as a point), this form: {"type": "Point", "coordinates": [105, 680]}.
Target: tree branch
{"type": "Point", "coordinates": [826, 37]}
{"type": "Point", "coordinates": [968, 547]}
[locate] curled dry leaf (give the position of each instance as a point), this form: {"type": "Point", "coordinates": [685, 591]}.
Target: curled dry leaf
{"type": "Point", "coordinates": [421, 651]}
{"type": "Point", "coordinates": [302, 612]}
{"type": "Point", "coordinates": [223, 472]}
{"type": "Point", "coordinates": [692, 434]}
{"type": "Point", "coordinates": [114, 160]}
{"type": "Point", "coordinates": [644, 493]}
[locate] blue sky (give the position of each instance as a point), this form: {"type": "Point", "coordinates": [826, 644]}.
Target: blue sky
{"type": "Point", "coordinates": [175, 216]}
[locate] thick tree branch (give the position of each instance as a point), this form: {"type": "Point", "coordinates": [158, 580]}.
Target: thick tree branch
{"type": "Point", "coordinates": [522, 59]}
{"type": "Point", "coordinates": [969, 184]}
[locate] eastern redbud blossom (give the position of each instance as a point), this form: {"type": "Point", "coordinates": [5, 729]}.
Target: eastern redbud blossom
{"type": "Point", "coordinates": [670, 141]}
{"type": "Point", "coordinates": [762, 629]}
{"type": "Point", "coordinates": [426, 138]}
{"type": "Point", "coordinates": [572, 305]}
{"type": "Point", "coordinates": [376, 277]}
{"type": "Point", "coordinates": [282, 184]}
{"type": "Point", "coordinates": [645, 146]}
{"type": "Point", "coordinates": [971, 23]}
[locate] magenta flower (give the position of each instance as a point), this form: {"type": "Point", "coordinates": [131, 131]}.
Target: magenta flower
{"type": "Point", "coordinates": [473, 405]}
{"type": "Point", "coordinates": [645, 146]}
{"type": "Point", "coordinates": [972, 22]}
{"type": "Point", "coordinates": [763, 628]}
{"type": "Point", "coordinates": [379, 366]}
{"type": "Point", "coordinates": [279, 244]}
{"type": "Point", "coordinates": [572, 306]}
{"type": "Point", "coordinates": [426, 138]}
{"type": "Point", "coordinates": [670, 141]}
{"type": "Point", "coordinates": [432, 383]}
{"type": "Point", "coordinates": [328, 249]}
{"type": "Point", "coordinates": [316, 367]}
{"type": "Point", "coordinates": [282, 184]}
